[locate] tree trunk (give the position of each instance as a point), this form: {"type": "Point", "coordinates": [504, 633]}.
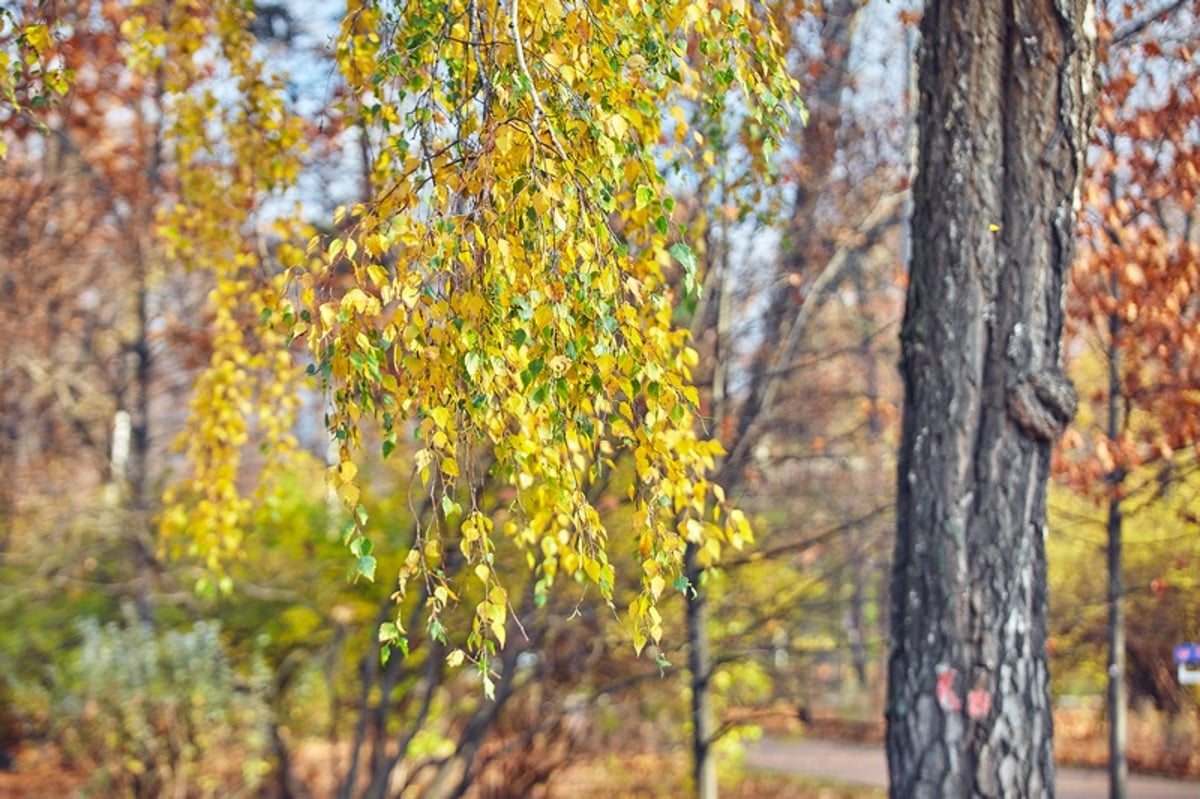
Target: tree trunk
{"type": "Point", "coordinates": [136, 394]}
{"type": "Point", "coordinates": [139, 449]}
{"type": "Point", "coordinates": [1004, 114]}
{"type": "Point", "coordinates": [860, 536]}
{"type": "Point", "coordinates": [704, 766]}
{"type": "Point", "coordinates": [806, 253]}
{"type": "Point", "coordinates": [1118, 770]}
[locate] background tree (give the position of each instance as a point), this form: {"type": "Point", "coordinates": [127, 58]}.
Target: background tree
{"type": "Point", "coordinates": [104, 333]}
{"type": "Point", "coordinates": [80, 285]}
{"type": "Point", "coordinates": [1133, 303]}
{"type": "Point", "coordinates": [1003, 124]}
{"type": "Point", "coordinates": [89, 354]}
{"type": "Point", "coordinates": [765, 327]}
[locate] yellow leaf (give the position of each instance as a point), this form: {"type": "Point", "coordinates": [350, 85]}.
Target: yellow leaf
{"type": "Point", "coordinates": [378, 275]}
{"type": "Point", "coordinates": [440, 416]}
{"type": "Point", "coordinates": [500, 633]}
{"type": "Point", "coordinates": [38, 37]}
{"type": "Point", "coordinates": [349, 492]}
{"type": "Point", "coordinates": [615, 126]}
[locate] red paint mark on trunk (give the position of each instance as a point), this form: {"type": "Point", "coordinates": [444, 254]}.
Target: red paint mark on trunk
{"type": "Point", "coordinates": [946, 695]}
{"type": "Point", "coordinates": [979, 704]}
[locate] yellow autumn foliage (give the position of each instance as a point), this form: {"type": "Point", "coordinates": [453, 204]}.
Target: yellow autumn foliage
{"type": "Point", "coordinates": [507, 289]}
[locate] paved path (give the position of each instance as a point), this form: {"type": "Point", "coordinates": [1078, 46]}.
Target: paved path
{"type": "Point", "coordinates": [865, 765]}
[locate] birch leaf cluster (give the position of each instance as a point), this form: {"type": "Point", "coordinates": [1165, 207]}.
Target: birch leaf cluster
{"type": "Point", "coordinates": [512, 280]}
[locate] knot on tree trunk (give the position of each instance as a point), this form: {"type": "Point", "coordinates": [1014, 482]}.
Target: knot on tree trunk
{"type": "Point", "coordinates": [1043, 404]}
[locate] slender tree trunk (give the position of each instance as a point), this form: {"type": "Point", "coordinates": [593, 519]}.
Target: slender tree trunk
{"type": "Point", "coordinates": [1118, 770]}
{"type": "Point", "coordinates": [806, 252]}
{"type": "Point", "coordinates": [719, 293]}
{"type": "Point", "coordinates": [857, 625]}
{"type": "Point", "coordinates": [8, 496]}
{"type": "Point", "coordinates": [1006, 90]}
{"type": "Point", "coordinates": [139, 448]}
{"type": "Point", "coordinates": [860, 537]}
{"type": "Point", "coordinates": [141, 374]}
{"type": "Point", "coordinates": [704, 767]}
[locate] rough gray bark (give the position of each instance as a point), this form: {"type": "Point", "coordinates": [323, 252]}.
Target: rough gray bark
{"type": "Point", "coordinates": [1005, 99]}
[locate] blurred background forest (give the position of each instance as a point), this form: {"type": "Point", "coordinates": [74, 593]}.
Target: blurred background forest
{"type": "Point", "coordinates": [129, 666]}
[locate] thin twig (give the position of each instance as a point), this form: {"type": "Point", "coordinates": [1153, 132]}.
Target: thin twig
{"type": "Point", "coordinates": [538, 110]}
{"type": "Point", "coordinates": [1125, 34]}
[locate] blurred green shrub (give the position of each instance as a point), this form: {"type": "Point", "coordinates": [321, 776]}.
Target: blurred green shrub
{"type": "Point", "coordinates": [162, 714]}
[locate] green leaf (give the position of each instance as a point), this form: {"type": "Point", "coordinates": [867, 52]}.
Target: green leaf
{"type": "Point", "coordinates": [643, 197]}
{"type": "Point", "coordinates": [472, 361]}
{"type": "Point", "coordinates": [484, 667]}
{"type": "Point", "coordinates": [687, 259]}
{"type": "Point", "coordinates": [437, 631]}
{"type": "Point", "coordinates": [365, 567]}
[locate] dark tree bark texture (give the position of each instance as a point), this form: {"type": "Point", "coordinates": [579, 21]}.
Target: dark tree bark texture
{"type": "Point", "coordinates": [1005, 110]}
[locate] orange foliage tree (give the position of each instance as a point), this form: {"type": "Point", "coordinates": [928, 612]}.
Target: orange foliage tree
{"type": "Point", "coordinates": [1134, 312]}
